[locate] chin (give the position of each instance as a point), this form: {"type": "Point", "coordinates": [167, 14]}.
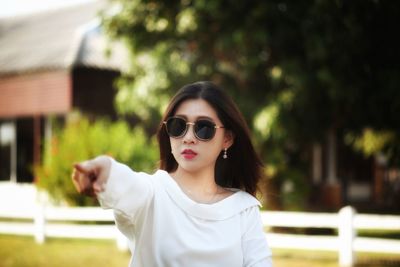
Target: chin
{"type": "Point", "coordinates": [193, 167]}
{"type": "Point", "coordinates": [189, 168]}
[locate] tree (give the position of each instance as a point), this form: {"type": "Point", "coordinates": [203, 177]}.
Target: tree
{"type": "Point", "coordinates": [296, 68]}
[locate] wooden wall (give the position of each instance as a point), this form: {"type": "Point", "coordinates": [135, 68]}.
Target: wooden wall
{"type": "Point", "coordinates": [33, 94]}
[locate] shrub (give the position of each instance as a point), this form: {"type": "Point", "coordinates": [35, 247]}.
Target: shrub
{"type": "Point", "coordinates": [78, 140]}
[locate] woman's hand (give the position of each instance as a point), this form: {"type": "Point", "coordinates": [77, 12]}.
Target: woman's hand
{"type": "Point", "coordinates": [90, 177]}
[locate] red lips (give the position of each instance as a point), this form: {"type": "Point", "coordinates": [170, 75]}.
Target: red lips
{"type": "Point", "coordinates": [188, 154]}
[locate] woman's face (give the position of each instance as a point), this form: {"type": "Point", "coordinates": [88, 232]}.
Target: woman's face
{"type": "Point", "coordinates": [192, 154]}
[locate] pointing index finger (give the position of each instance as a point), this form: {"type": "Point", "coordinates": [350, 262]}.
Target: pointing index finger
{"type": "Point", "coordinates": [81, 169]}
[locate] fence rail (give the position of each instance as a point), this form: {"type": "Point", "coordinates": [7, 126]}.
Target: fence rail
{"type": "Point", "coordinates": [64, 222]}
{"type": "Point", "coordinates": [61, 222]}
{"type": "Point", "coordinates": [346, 222]}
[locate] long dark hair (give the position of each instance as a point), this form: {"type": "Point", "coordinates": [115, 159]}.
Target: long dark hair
{"type": "Point", "coordinates": [243, 167]}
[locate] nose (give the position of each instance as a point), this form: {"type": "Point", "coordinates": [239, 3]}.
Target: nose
{"type": "Point", "coordinates": [189, 136]}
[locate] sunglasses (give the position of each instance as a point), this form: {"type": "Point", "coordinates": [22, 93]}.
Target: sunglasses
{"type": "Point", "coordinates": [204, 130]}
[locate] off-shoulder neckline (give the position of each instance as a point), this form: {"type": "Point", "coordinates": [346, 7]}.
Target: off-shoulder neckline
{"type": "Point", "coordinates": [220, 210]}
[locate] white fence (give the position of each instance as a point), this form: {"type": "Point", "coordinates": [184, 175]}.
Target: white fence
{"type": "Point", "coordinates": [43, 222]}
{"type": "Point", "coordinates": [347, 222]}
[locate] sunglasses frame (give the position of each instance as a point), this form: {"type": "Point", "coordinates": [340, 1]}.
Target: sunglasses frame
{"type": "Point", "coordinates": [215, 126]}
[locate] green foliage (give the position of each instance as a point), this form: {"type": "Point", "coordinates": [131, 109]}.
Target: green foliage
{"type": "Point", "coordinates": [370, 142]}
{"type": "Point", "coordinates": [80, 140]}
{"type": "Point", "coordinates": [295, 68]}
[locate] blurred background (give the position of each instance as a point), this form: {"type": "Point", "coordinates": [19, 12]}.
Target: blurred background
{"type": "Point", "coordinates": [317, 80]}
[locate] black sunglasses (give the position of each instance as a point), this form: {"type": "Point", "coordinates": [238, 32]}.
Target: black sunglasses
{"type": "Point", "coordinates": [204, 130]}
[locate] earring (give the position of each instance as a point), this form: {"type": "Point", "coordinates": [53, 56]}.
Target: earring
{"type": "Point", "coordinates": [225, 156]}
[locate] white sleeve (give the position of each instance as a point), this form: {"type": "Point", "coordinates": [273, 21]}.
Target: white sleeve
{"type": "Point", "coordinates": [126, 192]}
{"type": "Point", "coordinates": [256, 252]}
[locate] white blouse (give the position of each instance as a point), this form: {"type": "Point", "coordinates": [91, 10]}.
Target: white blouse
{"type": "Point", "coordinates": [167, 228]}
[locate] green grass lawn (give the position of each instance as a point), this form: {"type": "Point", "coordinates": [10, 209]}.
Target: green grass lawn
{"type": "Point", "coordinates": [16, 251]}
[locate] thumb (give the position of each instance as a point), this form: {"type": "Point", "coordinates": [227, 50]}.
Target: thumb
{"type": "Point", "coordinates": [98, 187]}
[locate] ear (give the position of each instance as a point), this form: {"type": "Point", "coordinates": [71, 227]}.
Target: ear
{"type": "Point", "coordinates": [229, 138]}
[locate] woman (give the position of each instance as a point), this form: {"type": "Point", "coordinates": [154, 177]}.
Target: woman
{"type": "Point", "coordinates": [199, 209]}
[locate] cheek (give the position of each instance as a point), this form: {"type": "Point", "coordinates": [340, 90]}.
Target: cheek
{"type": "Point", "coordinates": [214, 148]}
{"type": "Point", "coordinates": [173, 144]}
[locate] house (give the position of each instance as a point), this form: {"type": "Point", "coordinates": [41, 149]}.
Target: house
{"type": "Point", "coordinates": [51, 63]}
{"type": "Point", "coordinates": [340, 176]}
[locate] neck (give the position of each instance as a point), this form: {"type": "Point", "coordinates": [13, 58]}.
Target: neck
{"type": "Point", "coordinates": [201, 182]}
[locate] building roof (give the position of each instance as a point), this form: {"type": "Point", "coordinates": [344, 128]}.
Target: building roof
{"type": "Point", "coordinates": [58, 39]}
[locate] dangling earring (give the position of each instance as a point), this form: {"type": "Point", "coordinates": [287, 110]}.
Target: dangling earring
{"type": "Point", "coordinates": [225, 156]}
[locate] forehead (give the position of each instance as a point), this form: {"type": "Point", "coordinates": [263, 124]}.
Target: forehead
{"type": "Point", "coordinates": [195, 108]}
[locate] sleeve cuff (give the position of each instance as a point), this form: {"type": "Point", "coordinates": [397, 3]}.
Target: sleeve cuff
{"type": "Point", "coordinates": [126, 191]}
{"type": "Point", "coordinates": [117, 184]}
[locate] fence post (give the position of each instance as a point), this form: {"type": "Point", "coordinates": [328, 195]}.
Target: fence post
{"type": "Point", "coordinates": [39, 223]}
{"type": "Point", "coordinates": [347, 234]}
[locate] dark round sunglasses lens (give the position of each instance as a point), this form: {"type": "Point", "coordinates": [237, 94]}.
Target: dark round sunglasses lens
{"type": "Point", "coordinates": [204, 129]}
{"type": "Point", "coordinates": [176, 127]}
